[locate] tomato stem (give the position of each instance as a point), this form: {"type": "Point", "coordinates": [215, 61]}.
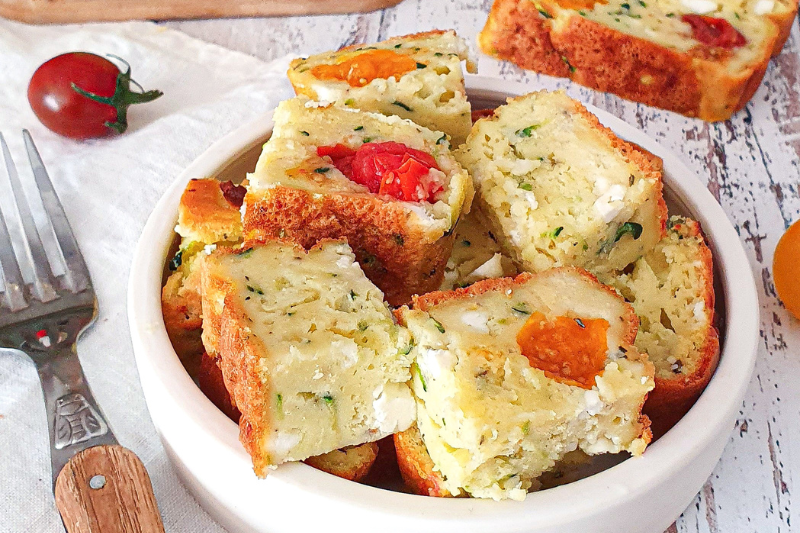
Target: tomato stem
{"type": "Point", "coordinates": [123, 98]}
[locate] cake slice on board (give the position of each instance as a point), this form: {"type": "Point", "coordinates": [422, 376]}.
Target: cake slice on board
{"type": "Point", "coordinates": [701, 58]}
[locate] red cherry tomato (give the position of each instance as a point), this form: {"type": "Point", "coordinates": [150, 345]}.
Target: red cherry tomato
{"type": "Point", "coordinates": [714, 31]}
{"type": "Point", "coordinates": [388, 168]}
{"type": "Point", "coordinates": [83, 96]}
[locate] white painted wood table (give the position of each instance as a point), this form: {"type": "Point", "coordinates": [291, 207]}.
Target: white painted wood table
{"type": "Point", "coordinates": [752, 166]}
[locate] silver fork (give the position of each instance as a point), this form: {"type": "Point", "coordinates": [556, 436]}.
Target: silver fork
{"type": "Point", "coordinates": [98, 485]}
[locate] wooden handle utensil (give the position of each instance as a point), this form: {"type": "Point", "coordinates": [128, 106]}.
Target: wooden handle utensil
{"type": "Point", "coordinates": [106, 489]}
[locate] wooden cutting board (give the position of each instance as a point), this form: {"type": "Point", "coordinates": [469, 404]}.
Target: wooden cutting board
{"type": "Point", "coordinates": [67, 11]}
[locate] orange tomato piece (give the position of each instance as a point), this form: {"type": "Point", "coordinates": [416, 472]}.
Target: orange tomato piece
{"type": "Point", "coordinates": [786, 269]}
{"type": "Point", "coordinates": [569, 350]}
{"type": "Point", "coordinates": [365, 67]}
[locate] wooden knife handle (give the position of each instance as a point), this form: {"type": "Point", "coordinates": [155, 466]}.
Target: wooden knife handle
{"type": "Point", "coordinates": [106, 489]}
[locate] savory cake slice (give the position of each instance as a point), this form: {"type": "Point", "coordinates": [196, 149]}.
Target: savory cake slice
{"type": "Point", "coordinates": [417, 77]}
{"type": "Point", "coordinates": [672, 291]}
{"type": "Point", "coordinates": [208, 214]}
{"type": "Point", "coordinates": [560, 189]}
{"type": "Point", "coordinates": [308, 349]}
{"type": "Point", "coordinates": [351, 463]}
{"type": "Point", "coordinates": [702, 58]}
{"type": "Point", "coordinates": [512, 374]}
{"type": "Point", "coordinates": [391, 188]}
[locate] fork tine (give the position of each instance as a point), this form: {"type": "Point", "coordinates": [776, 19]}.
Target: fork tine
{"type": "Point", "coordinates": [12, 277]}
{"type": "Point", "coordinates": [43, 284]}
{"type": "Point", "coordinates": [77, 273]}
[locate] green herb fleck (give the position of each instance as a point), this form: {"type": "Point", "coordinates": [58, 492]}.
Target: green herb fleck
{"type": "Point", "coordinates": [255, 290]}
{"type": "Point", "coordinates": [629, 227]}
{"type": "Point", "coordinates": [328, 399]}
{"type": "Point", "coordinates": [358, 128]}
{"type": "Point", "coordinates": [466, 243]}
{"type": "Point", "coordinates": [582, 13]}
{"type": "Point", "coordinates": [670, 15]}
{"type": "Point", "coordinates": [176, 261]}
{"type": "Point", "coordinates": [245, 253]}
{"type": "Point", "coordinates": [735, 14]}
{"type": "Point", "coordinates": [362, 326]}
{"type": "Point", "coordinates": [526, 186]}
{"type": "Point", "coordinates": [526, 132]}
{"type": "Point", "coordinates": [304, 133]}
{"type": "Point", "coordinates": [407, 349]}
{"type": "Point", "coordinates": [353, 295]}
{"type": "Point", "coordinates": [580, 323]}
{"type": "Point", "coordinates": [526, 428]}
{"type": "Point", "coordinates": [402, 105]}
{"type": "Point", "coordinates": [421, 65]}
{"type": "Point", "coordinates": [416, 371]}
{"type": "Point", "coordinates": [279, 404]}
{"type": "Point", "coordinates": [544, 13]}
{"type": "Point", "coordinates": [438, 325]}
{"type": "Point", "coordinates": [438, 54]}
{"type": "Point", "coordinates": [554, 233]}
{"type": "Point", "coordinates": [322, 170]}
{"type": "Point", "coordinates": [366, 140]}
{"type": "Point", "coordinates": [291, 313]}
{"type": "Point", "coordinates": [625, 5]}
{"type": "Point", "coordinates": [398, 45]}
{"type": "Point", "coordinates": [521, 308]}
{"type": "Point", "coordinates": [442, 139]}
{"type": "Point", "coordinates": [349, 102]}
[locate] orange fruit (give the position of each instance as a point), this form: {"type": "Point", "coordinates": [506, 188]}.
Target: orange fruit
{"type": "Point", "coordinates": [786, 269]}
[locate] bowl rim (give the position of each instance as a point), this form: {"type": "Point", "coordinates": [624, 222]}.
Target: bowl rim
{"type": "Point", "coordinates": [713, 413]}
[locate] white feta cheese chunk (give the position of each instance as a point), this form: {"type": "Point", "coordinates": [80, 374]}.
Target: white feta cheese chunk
{"type": "Point", "coordinates": [436, 362]}
{"type": "Point", "coordinates": [493, 268]}
{"type": "Point", "coordinates": [476, 319]}
{"type": "Point", "coordinates": [763, 7]}
{"type": "Point", "coordinates": [395, 409]}
{"type": "Point", "coordinates": [701, 7]}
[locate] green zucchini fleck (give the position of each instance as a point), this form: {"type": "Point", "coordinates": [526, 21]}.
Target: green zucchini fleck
{"type": "Point", "coordinates": [438, 325]}
{"type": "Point", "coordinates": [304, 133]}
{"type": "Point", "coordinates": [526, 132]}
{"type": "Point", "coordinates": [402, 105]}
{"type": "Point", "coordinates": [526, 186]}
{"type": "Point", "coordinates": [176, 261]}
{"type": "Point", "coordinates": [629, 227]}
{"type": "Point", "coordinates": [416, 371]}
{"type": "Point", "coordinates": [521, 308]}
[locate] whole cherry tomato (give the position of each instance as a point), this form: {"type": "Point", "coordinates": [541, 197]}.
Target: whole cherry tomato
{"type": "Point", "coordinates": [83, 96]}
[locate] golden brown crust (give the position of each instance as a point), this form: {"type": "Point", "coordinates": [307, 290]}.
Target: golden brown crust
{"type": "Point", "coordinates": [784, 23]}
{"type": "Point", "coordinates": [672, 398]}
{"type": "Point", "coordinates": [181, 310]}
{"type": "Point", "coordinates": [238, 354]}
{"type": "Point", "coordinates": [432, 299]}
{"type": "Point", "coordinates": [395, 256]}
{"type": "Point", "coordinates": [420, 35]}
{"type": "Point", "coordinates": [212, 384]}
{"type": "Point", "coordinates": [350, 468]}
{"type": "Point", "coordinates": [607, 60]}
{"type": "Point", "coordinates": [205, 213]}
{"type": "Point", "coordinates": [516, 32]}
{"type": "Point", "coordinates": [416, 465]}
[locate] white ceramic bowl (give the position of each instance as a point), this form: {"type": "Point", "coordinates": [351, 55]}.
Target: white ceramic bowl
{"type": "Point", "coordinates": [644, 494]}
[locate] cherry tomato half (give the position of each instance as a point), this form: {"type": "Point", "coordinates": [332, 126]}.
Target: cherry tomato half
{"type": "Point", "coordinates": [83, 96]}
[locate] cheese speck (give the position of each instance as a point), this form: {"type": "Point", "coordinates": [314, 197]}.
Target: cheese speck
{"type": "Point", "coordinates": [476, 319]}
{"type": "Point", "coordinates": [610, 204]}
{"type": "Point", "coordinates": [436, 362]}
{"type": "Point", "coordinates": [593, 403]}
{"type": "Point", "coordinates": [701, 7]}
{"type": "Point", "coordinates": [763, 7]}
{"type": "Point", "coordinates": [493, 268]}
{"type": "Point", "coordinates": [395, 409]}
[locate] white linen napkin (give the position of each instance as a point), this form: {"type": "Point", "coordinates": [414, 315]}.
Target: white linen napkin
{"type": "Point", "coordinates": [108, 188]}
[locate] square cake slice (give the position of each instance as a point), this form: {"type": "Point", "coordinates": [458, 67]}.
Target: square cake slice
{"type": "Point", "coordinates": [390, 187]}
{"type": "Point", "coordinates": [512, 374]}
{"type": "Point", "coordinates": [417, 77]}
{"type": "Point", "coordinates": [560, 189]}
{"type": "Point", "coordinates": [308, 349]}
{"type": "Point", "coordinates": [671, 289]}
